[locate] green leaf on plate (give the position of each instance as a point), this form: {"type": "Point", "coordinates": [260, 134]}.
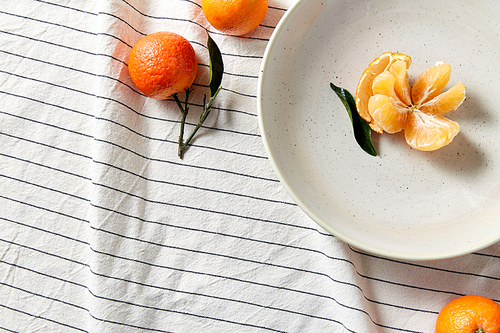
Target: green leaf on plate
{"type": "Point", "coordinates": [362, 131]}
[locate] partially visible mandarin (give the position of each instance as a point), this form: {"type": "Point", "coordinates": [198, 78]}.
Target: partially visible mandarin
{"type": "Point", "coordinates": [235, 17]}
{"type": "Point", "coordinates": [469, 314]}
{"type": "Point", "coordinates": [162, 64]}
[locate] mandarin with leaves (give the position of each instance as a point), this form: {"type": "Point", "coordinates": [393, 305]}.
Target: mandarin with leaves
{"type": "Point", "coordinates": [162, 64]}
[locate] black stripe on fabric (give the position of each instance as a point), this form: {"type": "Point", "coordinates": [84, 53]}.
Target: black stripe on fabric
{"type": "Point", "coordinates": [45, 230]}
{"type": "Point", "coordinates": [116, 80]}
{"type": "Point", "coordinates": [269, 6]}
{"type": "Point", "coordinates": [58, 86]}
{"type": "Point", "coordinates": [192, 186]}
{"type": "Point", "coordinates": [125, 302]}
{"type": "Point", "coordinates": [66, 7]}
{"type": "Point", "coordinates": [43, 296]}
{"type": "Point", "coordinates": [279, 266]}
{"type": "Point", "coordinates": [89, 136]}
{"type": "Point", "coordinates": [247, 56]}
{"type": "Point", "coordinates": [67, 303]}
{"type": "Point", "coordinates": [142, 177]}
{"type": "Point", "coordinates": [414, 264]}
{"type": "Point", "coordinates": [125, 22]}
{"type": "Point", "coordinates": [65, 26]}
{"type": "Point", "coordinates": [41, 317]}
{"type": "Point", "coordinates": [128, 107]}
{"type": "Point", "coordinates": [47, 22]}
{"type": "Point", "coordinates": [145, 157]}
{"type": "Point", "coordinates": [62, 46]}
{"type": "Point", "coordinates": [240, 93]}
{"type": "Point", "coordinates": [46, 145]}
{"type": "Point", "coordinates": [129, 129]}
{"type": "Point", "coordinates": [174, 205]}
{"type": "Point", "coordinates": [130, 46]}
{"type": "Point", "coordinates": [248, 76]}
{"type": "Point", "coordinates": [178, 163]}
{"type": "Point", "coordinates": [46, 188]}
{"type": "Point", "coordinates": [203, 295]}
{"type": "Point", "coordinates": [114, 37]}
{"type": "Point", "coordinates": [196, 23]}
{"type": "Point", "coordinates": [73, 69]}
{"type": "Point", "coordinates": [31, 99]}
{"type": "Point", "coordinates": [8, 330]}
{"type": "Point", "coordinates": [275, 265]}
{"type": "Point", "coordinates": [225, 54]}
{"type": "Point", "coordinates": [205, 211]}
{"type": "Point", "coordinates": [175, 142]}
{"type": "Point", "coordinates": [227, 90]}
{"type": "Point", "coordinates": [486, 255]}
{"type": "Point", "coordinates": [277, 8]}
{"type": "Point", "coordinates": [136, 91]}
{"type": "Point", "coordinates": [45, 209]}
{"type": "Point", "coordinates": [246, 281]}
{"type": "Point", "coordinates": [267, 26]}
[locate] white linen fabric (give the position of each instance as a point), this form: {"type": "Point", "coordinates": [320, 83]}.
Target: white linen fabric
{"type": "Point", "coordinates": [104, 229]}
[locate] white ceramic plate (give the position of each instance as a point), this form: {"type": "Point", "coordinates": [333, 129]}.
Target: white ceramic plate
{"type": "Point", "coordinates": [403, 203]}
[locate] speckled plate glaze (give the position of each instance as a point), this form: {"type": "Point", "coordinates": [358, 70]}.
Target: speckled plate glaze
{"type": "Point", "coordinates": [404, 203]}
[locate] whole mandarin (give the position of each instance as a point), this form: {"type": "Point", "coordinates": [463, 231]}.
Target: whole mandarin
{"type": "Point", "coordinates": [162, 64]}
{"type": "Point", "coordinates": [235, 17]}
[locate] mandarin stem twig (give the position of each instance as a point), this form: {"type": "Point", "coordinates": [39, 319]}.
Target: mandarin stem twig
{"type": "Point", "coordinates": [206, 111]}
{"type": "Point", "coordinates": [184, 112]}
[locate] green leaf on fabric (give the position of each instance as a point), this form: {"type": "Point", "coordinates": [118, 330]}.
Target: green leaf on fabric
{"type": "Point", "coordinates": [216, 67]}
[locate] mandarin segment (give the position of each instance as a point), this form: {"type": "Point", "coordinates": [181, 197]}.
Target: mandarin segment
{"type": "Point", "coordinates": [399, 69]}
{"type": "Point", "coordinates": [383, 84]}
{"type": "Point", "coordinates": [430, 83]}
{"type": "Point", "coordinates": [429, 132]}
{"type": "Point", "coordinates": [447, 101]}
{"type": "Point", "coordinates": [386, 114]}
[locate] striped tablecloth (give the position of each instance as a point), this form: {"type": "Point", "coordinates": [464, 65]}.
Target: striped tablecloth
{"type": "Point", "coordinates": [104, 229]}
